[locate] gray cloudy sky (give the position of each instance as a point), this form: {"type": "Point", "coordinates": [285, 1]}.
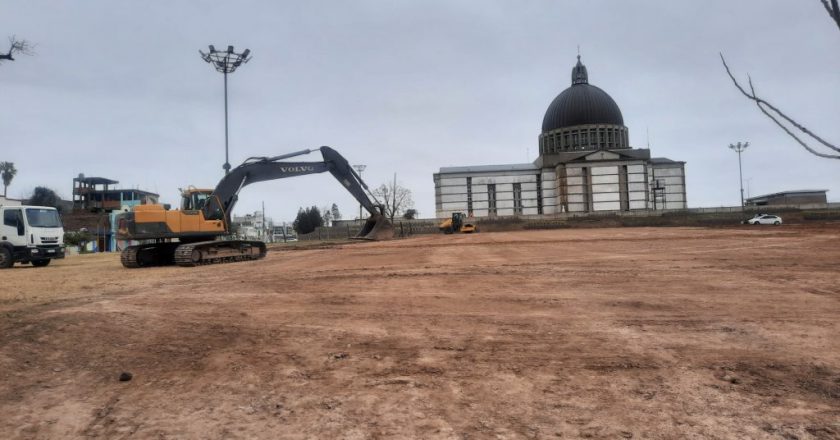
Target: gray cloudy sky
{"type": "Point", "coordinates": [117, 89]}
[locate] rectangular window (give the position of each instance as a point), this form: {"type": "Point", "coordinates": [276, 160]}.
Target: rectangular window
{"type": "Point", "coordinates": [517, 198]}
{"type": "Point", "coordinates": [469, 197]}
{"type": "Point", "coordinates": [11, 217]}
{"type": "Point", "coordinates": [43, 218]}
{"type": "Point", "coordinates": [587, 190]}
{"type": "Point", "coordinates": [624, 194]}
{"type": "Point", "coordinates": [491, 198]}
{"type": "Point", "coordinates": [539, 195]}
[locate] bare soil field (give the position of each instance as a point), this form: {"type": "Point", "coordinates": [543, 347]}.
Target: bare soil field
{"type": "Point", "coordinates": [586, 333]}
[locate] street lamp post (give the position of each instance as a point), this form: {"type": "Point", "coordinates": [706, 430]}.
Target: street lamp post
{"type": "Point", "coordinates": [739, 148]}
{"type": "Point", "coordinates": [359, 169]}
{"type": "Point", "coordinates": [226, 62]}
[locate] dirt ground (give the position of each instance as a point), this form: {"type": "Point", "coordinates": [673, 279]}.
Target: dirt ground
{"type": "Point", "coordinates": [584, 333]}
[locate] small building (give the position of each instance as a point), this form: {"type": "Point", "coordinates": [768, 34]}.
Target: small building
{"type": "Point", "coordinates": [254, 226]}
{"type": "Point", "coordinates": [585, 164]}
{"type": "Point", "coordinates": [9, 202]}
{"type": "Point", "coordinates": [95, 194]}
{"type": "Point", "coordinates": [283, 233]}
{"type": "Point", "coordinates": [799, 197]}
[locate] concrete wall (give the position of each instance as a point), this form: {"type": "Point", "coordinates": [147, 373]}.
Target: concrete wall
{"type": "Point", "coordinates": [9, 202]}
{"type": "Point", "coordinates": [719, 216]}
{"type": "Point", "coordinates": [667, 182]}
{"type": "Point", "coordinates": [454, 194]}
{"type": "Point", "coordinates": [591, 186]}
{"type": "Point", "coordinates": [610, 186]}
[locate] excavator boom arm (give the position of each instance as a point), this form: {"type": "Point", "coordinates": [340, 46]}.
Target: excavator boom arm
{"type": "Point", "coordinates": [254, 170]}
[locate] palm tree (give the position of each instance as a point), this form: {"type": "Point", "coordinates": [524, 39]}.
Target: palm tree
{"type": "Point", "coordinates": [7, 171]}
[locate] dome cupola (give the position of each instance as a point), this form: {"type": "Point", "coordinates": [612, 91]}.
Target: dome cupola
{"type": "Point", "coordinates": [582, 117]}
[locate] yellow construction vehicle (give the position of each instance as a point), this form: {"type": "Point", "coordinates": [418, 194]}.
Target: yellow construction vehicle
{"type": "Point", "coordinates": [459, 222]}
{"type": "Point", "coordinates": [190, 236]}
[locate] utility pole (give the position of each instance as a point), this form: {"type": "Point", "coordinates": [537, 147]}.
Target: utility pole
{"type": "Point", "coordinates": [394, 198]}
{"type": "Point", "coordinates": [359, 168]}
{"type": "Point", "coordinates": [264, 224]}
{"type": "Point", "coordinates": [226, 62]}
{"type": "Point", "coordinates": [739, 148]}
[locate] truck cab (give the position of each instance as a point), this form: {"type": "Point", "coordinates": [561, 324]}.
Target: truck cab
{"type": "Point", "coordinates": [30, 234]}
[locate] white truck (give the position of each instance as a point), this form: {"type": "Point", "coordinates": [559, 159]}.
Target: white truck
{"type": "Point", "coordinates": [30, 234]}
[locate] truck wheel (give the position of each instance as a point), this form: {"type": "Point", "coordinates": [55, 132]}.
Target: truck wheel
{"type": "Point", "coordinates": [6, 260]}
{"type": "Point", "coordinates": [40, 263]}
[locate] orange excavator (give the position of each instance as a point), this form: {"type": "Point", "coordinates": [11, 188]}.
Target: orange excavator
{"type": "Point", "coordinates": [194, 235]}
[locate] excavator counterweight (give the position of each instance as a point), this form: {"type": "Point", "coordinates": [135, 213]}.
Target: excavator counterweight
{"type": "Point", "coordinates": [190, 236]}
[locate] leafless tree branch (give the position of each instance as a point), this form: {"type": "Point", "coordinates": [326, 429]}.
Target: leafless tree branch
{"type": "Point", "coordinates": [775, 115]}
{"type": "Point", "coordinates": [833, 11]}
{"type": "Point", "coordinates": [397, 199]}
{"type": "Point", "coordinates": [16, 46]}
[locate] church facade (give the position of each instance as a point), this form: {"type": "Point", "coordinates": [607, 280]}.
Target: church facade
{"type": "Point", "coordinates": [585, 164]}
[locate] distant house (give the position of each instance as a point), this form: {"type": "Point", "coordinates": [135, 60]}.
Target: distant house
{"type": "Point", "coordinates": [95, 194]}
{"type": "Point", "coordinates": [800, 197]}
{"type": "Point", "coordinates": [9, 202]}
{"type": "Point", "coordinates": [253, 226]}
{"type": "Point", "coordinates": [96, 202]}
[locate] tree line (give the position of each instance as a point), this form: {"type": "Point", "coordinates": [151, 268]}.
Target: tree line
{"type": "Point", "coordinates": [395, 199]}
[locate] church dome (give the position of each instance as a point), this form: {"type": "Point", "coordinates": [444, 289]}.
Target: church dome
{"type": "Point", "coordinates": [581, 104]}
{"type": "Point", "coordinates": [582, 117]}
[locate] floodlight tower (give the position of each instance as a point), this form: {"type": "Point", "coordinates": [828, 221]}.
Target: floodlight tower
{"type": "Point", "coordinates": [359, 168]}
{"type": "Point", "coordinates": [226, 62]}
{"type": "Point", "coordinates": [739, 148]}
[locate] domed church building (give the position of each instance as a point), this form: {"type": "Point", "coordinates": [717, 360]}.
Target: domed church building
{"type": "Point", "coordinates": [586, 164]}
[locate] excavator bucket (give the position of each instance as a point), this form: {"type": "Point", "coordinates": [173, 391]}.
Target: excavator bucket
{"type": "Point", "coordinates": [377, 227]}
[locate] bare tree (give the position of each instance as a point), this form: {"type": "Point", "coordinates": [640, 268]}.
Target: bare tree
{"type": "Point", "coordinates": [797, 131]}
{"type": "Point", "coordinates": [16, 46]}
{"type": "Point", "coordinates": [397, 199]}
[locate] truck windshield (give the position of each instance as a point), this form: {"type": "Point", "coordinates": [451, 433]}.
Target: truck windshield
{"type": "Point", "coordinates": [43, 218]}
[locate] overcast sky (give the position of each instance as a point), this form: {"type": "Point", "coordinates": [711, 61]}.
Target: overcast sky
{"type": "Point", "coordinates": [118, 90]}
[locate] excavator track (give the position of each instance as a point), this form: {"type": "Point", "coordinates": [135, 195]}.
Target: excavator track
{"type": "Point", "coordinates": [128, 257]}
{"type": "Point", "coordinates": [220, 251]}
{"type": "Point", "coordinates": [146, 255]}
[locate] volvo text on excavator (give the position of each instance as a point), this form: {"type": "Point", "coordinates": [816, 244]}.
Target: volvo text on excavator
{"type": "Point", "coordinates": [190, 236]}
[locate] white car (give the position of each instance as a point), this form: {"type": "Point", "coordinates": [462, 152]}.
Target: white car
{"type": "Point", "coordinates": [765, 219]}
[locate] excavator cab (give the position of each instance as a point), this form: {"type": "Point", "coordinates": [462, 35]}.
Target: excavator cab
{"type": "Point", "coordinates": [193, 199]}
